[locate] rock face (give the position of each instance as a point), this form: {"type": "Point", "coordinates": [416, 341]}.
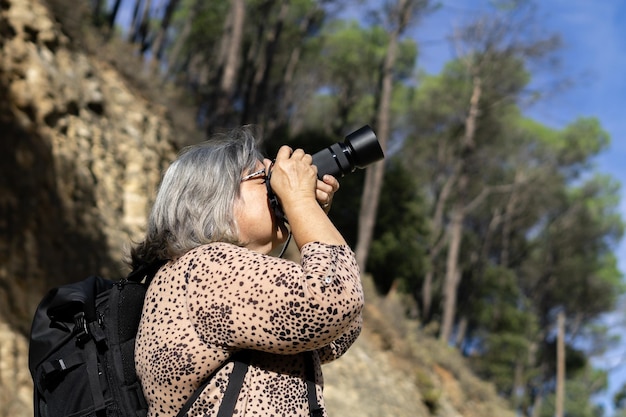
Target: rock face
{"type": "Point", "coordinates": [81, 157]}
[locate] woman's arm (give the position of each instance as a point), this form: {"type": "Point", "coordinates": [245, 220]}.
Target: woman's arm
{"type": "Point", "coordinates": [241, 299]}
{"type": "Point", "coordinates": [341, 345]}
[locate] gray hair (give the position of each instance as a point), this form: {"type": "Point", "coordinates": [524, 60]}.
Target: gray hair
{"type": "Point", "coordinates": [195, 202]}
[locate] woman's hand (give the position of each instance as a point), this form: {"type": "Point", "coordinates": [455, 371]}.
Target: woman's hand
{"type": "Point", "coordinates": [292, 174]}
{"type": "Point", "coordinates": [293, 177]}
{"type": "Point", "coordinates": [325, 190]}
{"type": "Point", "coordinates": [304, 199]}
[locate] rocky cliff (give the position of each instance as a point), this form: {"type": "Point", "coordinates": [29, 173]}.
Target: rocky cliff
{"type": "Point", "coordinates": [82, 153]}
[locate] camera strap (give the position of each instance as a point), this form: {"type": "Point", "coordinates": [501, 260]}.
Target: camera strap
{"type": "Point", "coordinates": [276, 208]}
{"type": "Point", "coordinates": [274, 204]}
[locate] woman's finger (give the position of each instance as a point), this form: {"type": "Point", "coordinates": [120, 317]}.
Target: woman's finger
{"type": "Point", "coordinates": [284, 152]}
{"type": "Point", "coordinates": [332, 181]}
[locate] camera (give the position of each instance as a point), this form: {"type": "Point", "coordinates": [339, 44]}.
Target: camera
{"type": "Point", "coordinates": [359, 149]}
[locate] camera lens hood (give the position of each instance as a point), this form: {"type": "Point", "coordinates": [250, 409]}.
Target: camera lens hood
{"type": "Point", "coordinates": [365, 147]}
{"type": "Point", "coordinates": [359, 149]}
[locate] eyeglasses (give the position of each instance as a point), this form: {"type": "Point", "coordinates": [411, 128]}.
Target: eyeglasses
{"type": "Point", "coordinates": [254, 174]}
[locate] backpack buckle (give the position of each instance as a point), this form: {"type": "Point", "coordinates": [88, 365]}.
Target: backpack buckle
{"type": "Point", "coordinates": [82, 333]}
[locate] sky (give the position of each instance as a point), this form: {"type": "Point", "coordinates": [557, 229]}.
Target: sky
{"type": "Point", "coordinates": [594, 58]}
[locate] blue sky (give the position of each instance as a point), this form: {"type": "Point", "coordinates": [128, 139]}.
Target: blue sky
{"type": "Point", "coordinates": [594, 58]}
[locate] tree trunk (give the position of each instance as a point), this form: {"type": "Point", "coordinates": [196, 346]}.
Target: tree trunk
{"type": "Point", "coordinates": [518, 384]}
{"type": "Point", "coordinates": [369, 209]}
{"type": "Point", "coordinates": [229, 58]}
{"type": "Point", "coordinates": [257, 107]}
{"type": "Point", "coordinates": [453, 272]}
{"type": "Point", "coordinates": [112, 16]}
{"type": "Point", "coordinates": [560, 366]}
{"type": "Point", "coordinates": [159, 40]}
{"type": "Point", "coordinates": [460, 334]}
{"type": "Point", "coordinates": [427, 294]}
{"type": "Point", "coordinates": [375, 173]}
{"type": "Point", "coordinates": [231, 62]}
{"type": "Point", "coordinates": [537, 404]}
{"type": "Point", "coordinates": [144, 27]}
{"type": "Point", "coordinates": [97, 12]}
{"type": "Point", "coordinates": [174, 59]}
{"type": "Point", "coordinates": [290, 69]}
{"type": "Point", "coordinates": [496, 220]}
{"type": "Point", "coordinates": [507, 227]}
{"type": "Point", "coordinates": [134, 23]}
{"type": "Point", "coordinates": [437, 242]}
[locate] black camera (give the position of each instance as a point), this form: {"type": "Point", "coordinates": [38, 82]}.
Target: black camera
{"type": "Point", "coordinates": [359, 149]}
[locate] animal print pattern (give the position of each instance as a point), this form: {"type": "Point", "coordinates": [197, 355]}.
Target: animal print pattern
{"type": "Point", "coordinates": [220, 298]}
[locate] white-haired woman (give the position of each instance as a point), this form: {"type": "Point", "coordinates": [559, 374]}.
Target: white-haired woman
{"type": "Point", "coordinates": [220, 295]}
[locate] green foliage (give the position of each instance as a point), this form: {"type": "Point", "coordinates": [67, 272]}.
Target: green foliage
{"type": "Point", "coordinates": [504, 327]}
{"type": "Point", "coordinates": [500, 305]}
{"type": "Point", "coordinates": [431, 393]}
{"type": "Point", "coordinates": [619, 398]}
{"type": "Point", "coordinates": [348, 67]}
{"type": "Point", "coordinates": [207, 22]}
{"type": "Point", "coordinates": [576, 246]}
{"type": "Point", "coordinates": [582, 140]}
{"type": "Point", "coordinates": [577, 393]}
{"type": "Point", "coordinates": [352, 53]}
{"type": "Point", "coordinates": [398, 249]}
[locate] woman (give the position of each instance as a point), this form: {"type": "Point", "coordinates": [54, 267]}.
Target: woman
{"type": "Point", "coordinates": [220, 292]}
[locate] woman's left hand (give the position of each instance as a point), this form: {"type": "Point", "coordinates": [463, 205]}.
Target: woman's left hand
{"type": "Point", "coordinates": [324, 191]}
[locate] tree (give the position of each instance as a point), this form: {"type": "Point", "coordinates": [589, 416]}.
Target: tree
{"type": "Point", "coordinates": [490, 75]}
{"type": "Point", "coordinates": [400, 15]}
{"type": "Point", "coordinates": [228, 61]}
{"type": "Point", "coordinates": [139, 29]}
{"type": "Point", "coordinates": [159, 40]}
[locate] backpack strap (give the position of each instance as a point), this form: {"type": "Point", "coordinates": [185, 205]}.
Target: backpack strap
{"type": "Point", "coordinates": [90, 334]}
{"type": "Point", "coordinates": [91, 364]}
{"type": "Point", "coordinates": [315, 410]}
{"type": "Point", "coordinates": [146, 270]}
{"type": "Point", "coordinates": [235, 382]}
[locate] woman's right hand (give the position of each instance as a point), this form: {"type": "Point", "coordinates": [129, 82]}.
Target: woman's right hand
{"type": "Point", "coordinates": [294, 181]}
{"type": "Point", "coordinates": [294, 177]}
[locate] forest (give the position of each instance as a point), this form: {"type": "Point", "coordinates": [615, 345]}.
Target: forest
{"type": "Point", "coordinates": [496, 228]}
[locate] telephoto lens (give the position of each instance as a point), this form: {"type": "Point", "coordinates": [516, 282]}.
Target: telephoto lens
{"type": "Point", "coordinates": [359, 149]}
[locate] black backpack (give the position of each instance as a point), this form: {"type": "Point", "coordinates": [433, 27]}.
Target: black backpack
{"type": "Point", "coordinates": [82, 345]}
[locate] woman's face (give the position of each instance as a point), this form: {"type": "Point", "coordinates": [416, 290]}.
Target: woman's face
{"type": "Point", "coordinates": [258, 229]}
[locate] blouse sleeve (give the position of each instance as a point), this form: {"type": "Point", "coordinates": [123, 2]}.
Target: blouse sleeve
{"type": "Point", "coordinates": [240, 299]}
{"type": "Point", "coordinates": [338, 347]}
